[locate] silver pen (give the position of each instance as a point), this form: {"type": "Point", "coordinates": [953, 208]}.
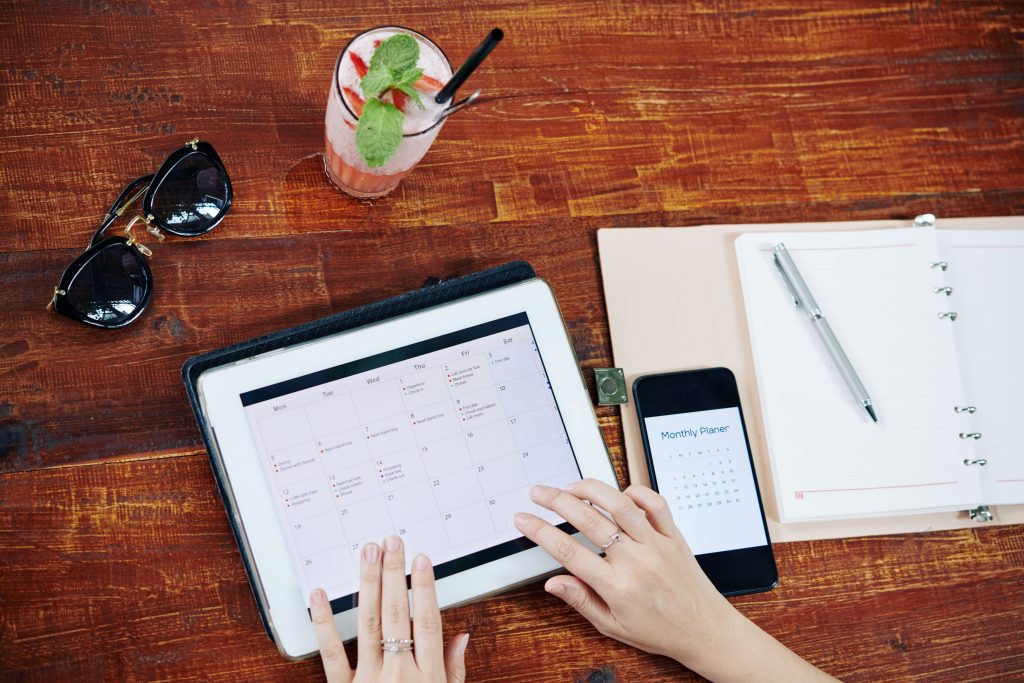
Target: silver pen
{"type": "Point", "coordinates": [802, 297]}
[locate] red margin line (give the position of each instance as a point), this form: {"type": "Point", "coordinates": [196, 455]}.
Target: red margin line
{"type": "Point", "coordinates": [877, 488]}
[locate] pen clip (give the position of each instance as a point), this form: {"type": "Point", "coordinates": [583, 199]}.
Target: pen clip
{"type": "Point", "coordinates": [786, 280]}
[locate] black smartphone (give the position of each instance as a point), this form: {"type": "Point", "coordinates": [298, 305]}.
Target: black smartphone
{"type": "Point", "coordinates": [698, 456]}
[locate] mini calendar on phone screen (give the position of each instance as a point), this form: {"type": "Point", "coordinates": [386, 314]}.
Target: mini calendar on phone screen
{"type": "Point", "coordinates": [703, 472]}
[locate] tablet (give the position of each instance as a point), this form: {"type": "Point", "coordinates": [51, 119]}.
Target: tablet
{"type": "Point", "coordinates": [431, 426]}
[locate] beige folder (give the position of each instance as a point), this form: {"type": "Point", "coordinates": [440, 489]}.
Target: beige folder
{"type": "Point", "coordinates": [674, 303]}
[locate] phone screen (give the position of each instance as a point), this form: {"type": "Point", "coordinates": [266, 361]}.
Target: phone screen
{"type": "Point", "coordinates": [698, 457]}
{"type": "Point", "coordinates": [703, 469]}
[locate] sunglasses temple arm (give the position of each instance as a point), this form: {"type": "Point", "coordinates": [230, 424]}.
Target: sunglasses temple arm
{"type": "Point", "coordinates": [128, 196]}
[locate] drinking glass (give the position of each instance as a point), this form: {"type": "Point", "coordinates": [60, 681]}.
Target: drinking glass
{"type": "Point", "coordinates": [342, 161]}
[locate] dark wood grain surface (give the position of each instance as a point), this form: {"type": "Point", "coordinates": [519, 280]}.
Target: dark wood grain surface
{"type": "Point", "coordinates": [117, 559]}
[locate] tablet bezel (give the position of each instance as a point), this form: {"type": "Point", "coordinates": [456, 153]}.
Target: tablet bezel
{"type": "Point", "coordinates": [276, 586]}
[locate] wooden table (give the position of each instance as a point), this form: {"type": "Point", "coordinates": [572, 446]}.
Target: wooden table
{"type": "Point", "coordinates": [118, 562]}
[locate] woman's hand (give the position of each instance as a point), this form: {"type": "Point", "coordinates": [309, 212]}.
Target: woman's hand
{"type": "Point", "coordinates": [384, 614]}
{"type": "Point", "coordinates": [648, 591]}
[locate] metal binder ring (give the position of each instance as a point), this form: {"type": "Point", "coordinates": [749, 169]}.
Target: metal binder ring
{"type": "Point", "coordinates": [940, 264]}
{"type": "Point", "coordinates": [976, 461]}
{"type": "Point", "coordinates": [966, 409]}
{"type": "Point", "coordinates": [943, 290]}
{"type": "Point", "coordinates": [970, 435]}
{"type": "Point", "coordinates": [949, 314]}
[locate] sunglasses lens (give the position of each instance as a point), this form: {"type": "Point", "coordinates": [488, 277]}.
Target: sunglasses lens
{"type": "Point", "coordinates": [192, 196]}
{"type": "Point", "coordinates": [110, 287]}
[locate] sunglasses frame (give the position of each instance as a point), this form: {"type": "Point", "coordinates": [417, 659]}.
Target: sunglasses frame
{"type": "Point", "coordinates": [60, 303]}
{"type": "Point", "coordinates": [144, 187]}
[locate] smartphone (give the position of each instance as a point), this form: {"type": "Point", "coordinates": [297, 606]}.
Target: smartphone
{"type": "Point", "coordinates": [698, 456]}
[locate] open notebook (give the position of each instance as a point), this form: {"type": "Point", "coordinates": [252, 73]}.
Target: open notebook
{"type": "Point", "coordinates": [948, 389]}
{"type": "Point", "coordinates": [675, 303]}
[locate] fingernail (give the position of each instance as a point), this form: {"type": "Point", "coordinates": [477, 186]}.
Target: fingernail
{"type": "Point", "coordinates": [392, 543]}
{"type": "Point", "coordinates": [521, 519]}
{"type": "Point", "coordinates": [556, 588]}
{"type": "Point", "coordinates": [370, 553]}
{"type": "Point", "coordinates": [318, 597]}
{"type": "Point", "coordinates": [421, 562]}
{"type": "Point", "coordinates": [463, 643]}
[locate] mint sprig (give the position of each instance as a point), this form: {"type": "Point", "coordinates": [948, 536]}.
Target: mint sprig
{"type": "Point", "coordinates": [392, 66]}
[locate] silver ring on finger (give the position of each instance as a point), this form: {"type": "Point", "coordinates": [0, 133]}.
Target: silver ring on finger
{"type": "Point", "coordinates": [612, 540]}
{"type": "Point", "coordinates": [396, 644]}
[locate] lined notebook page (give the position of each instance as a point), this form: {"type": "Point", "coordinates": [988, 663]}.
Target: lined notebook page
{"type": "Point", "coordinates": [986, 272]}
{"type": "Point", "coordinates": [876, 290]}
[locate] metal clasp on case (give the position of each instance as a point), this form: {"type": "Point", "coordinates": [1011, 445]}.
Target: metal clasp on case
{"type": "Point", "coordinates": [981, 514]}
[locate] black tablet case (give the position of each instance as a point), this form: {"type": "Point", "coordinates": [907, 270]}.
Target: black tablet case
{"type": "Point", "coordinates": [434, 293]}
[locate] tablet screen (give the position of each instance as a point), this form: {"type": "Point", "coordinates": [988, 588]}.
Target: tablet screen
{"type": "Point", "coordinates": [437, 442]}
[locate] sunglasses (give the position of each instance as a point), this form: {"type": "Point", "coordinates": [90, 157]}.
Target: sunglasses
{"type": "Point", "coordinates": [110, 284]}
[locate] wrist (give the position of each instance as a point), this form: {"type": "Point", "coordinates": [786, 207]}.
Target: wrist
{"type": "Point", "coordinates": [719, 641]}
{"type": "Point", "coordinates": [736, 649]}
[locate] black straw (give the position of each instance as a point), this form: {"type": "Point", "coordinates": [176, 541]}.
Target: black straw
{"type": "Point", "coordinates": [469, 66]}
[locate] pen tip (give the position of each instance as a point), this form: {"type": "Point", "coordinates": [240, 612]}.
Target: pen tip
{"type": "Point", "coordinates": [871, 412]}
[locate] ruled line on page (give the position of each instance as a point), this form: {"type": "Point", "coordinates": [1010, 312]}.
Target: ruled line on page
{"type": "Point", "coordinates": [800, 494]}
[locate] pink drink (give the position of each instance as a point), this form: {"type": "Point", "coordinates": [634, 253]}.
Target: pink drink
{"type": "Point", "coordinates": [343, 162]}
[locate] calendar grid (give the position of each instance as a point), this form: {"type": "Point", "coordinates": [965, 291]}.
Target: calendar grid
{"type": "Point", "coordinates": [440, 449]}
{"type": "Point", "coordinates": [703, 468]}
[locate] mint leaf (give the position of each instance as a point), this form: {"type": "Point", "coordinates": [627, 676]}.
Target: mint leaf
{"type": "Point", "coordinates": [409, 76]}
{"type": "Point", "coordinates": [375, 82]}
{"type": "Point", "coordinates": [399, 53]}
{"type": "Point", "coordinates": [379, 131]}
{"type": "Point", "coordinates": [405, 82]}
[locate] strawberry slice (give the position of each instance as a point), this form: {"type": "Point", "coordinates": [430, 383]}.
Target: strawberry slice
{"type": "Point", "coordinates": [399, 98]}
{"type": "Point", "coordinates": [358, 62]}
{"type": "Point", "coordinates": [428, 83]}
{"type": "Point", "coordinates": [355, 100]}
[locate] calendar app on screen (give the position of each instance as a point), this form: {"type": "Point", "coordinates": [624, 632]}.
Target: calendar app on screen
{"type": "Point", "coordinates": [703, 470]}
{"type": "Point", "coordinates": [437, 442]}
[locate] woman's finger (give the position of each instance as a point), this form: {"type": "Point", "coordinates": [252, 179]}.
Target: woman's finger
{"type": "Point", "coordinates": [332, 649]}
{"type": "Point", "coordinates": [572, 554]}
{"type": "Point", "coordinates": [394, 602]}
{"type": "Point", "coordinates": [623, 510]}
{"type": "Point", "coordinates": [583, 599]}
{"type": "Point", "coordinates": [426, 617]}
{"type": "Point", "coordinates": [455, 659]}
{"type": "Point", "coordinates": [369, 607]}
{"type": "Point", "coordinates": [594, 525]}
{"type": "Point", "coordinates": [658, 512]}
